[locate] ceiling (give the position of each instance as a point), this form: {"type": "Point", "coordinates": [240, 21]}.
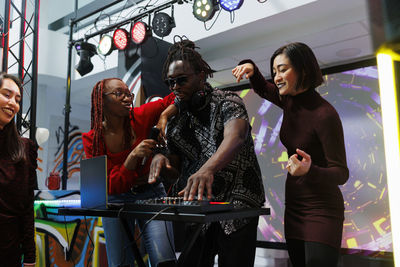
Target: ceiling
{"type": "Point", "coordinates": [337, 30]}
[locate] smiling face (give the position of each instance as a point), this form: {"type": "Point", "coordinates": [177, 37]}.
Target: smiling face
{"type": "Point", "coordinates": [10, 97]}
{"type": "Point", "coordinates": [285, 76]}
{"type": "Point", "coordinates": [183, 80]}
{"type": "Point", "coordinates": [117, 98]}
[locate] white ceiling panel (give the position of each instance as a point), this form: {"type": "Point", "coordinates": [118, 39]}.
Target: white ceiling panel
{"type": "Point", "coordinates": [328, 54]}
{"type": "Point", "coordinates": [340, 33]}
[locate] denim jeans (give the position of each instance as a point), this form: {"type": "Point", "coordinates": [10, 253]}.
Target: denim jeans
{"type": "Point", "coordinates": [157, 236]}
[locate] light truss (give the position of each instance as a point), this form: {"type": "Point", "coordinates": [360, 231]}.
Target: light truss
{"type": "Point", "coordinates": [21, 23]}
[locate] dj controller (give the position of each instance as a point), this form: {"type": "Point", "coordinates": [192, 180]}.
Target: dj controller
{"type": "Point", "coordinates": [174, 204]}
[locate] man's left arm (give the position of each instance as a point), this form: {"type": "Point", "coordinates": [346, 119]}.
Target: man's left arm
{"type": "Point", "coordinates": [235, 133]}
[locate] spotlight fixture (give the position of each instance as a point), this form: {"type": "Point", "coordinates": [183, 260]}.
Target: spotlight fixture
{"type": "Point", "coordinates": [139, 32]}
{"type": "Point", "coordinates": [204, 10]}
{"type": "Point", "coordinates": [121, 38]}
{"type": "Point", "coordinates": [85, 50]}
{"type": "Point", "coordinates": [231, 5]}
{"type": "Point", "coordinates": [162, 24]}
{"type": "Point", "coordinates": [105, 46]}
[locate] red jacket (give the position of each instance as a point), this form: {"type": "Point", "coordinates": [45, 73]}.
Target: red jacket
{"type": "Point", "coordinates": [120, 179]}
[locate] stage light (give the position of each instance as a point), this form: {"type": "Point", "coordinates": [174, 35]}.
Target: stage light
{"type": "Point", "coordinates": [204, 10]}
{"type": "Point", "coordinates": [162, 24]}
{"type": "Point", "coordinates": [231, 5]}
{"type": "Point", "coordinates": [120, 38]}
{"type": "Point", "coordinates": [105, 46]}
{"type": "Point", "coordinates": [388, 62]}
{"type": "Point", "coordinates": [85, 51]}
{"type": "Point", "coordinates": [139, 32]}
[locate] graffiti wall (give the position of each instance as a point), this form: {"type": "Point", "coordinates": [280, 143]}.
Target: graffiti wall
{"type": "Point", "coordinates": [66, 240]}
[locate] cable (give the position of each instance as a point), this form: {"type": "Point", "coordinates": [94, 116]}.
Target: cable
{"type": "Point", "coordinates": [143, 229]}
{"type": "Point", "coordinates": [129, 244]}
{"type": "Point", "coordinates": [205, 26]}
{"type": "Point", "coordinates": [232, 16]}
{"type": "Point", "coordinates": [91, 253]}
{"type": "Point", "coordinates": [169, 189]}
{"type": "Point", "coordinates": [149, 220]}
{"type": "Point", "coordinates": [99, 17]}
{"type": "Point", "coordinates": [66, 233]}
{"type": "Point", "coordinates": [169, 240]}
{"type": "Point", "coordinates": [122, 10]}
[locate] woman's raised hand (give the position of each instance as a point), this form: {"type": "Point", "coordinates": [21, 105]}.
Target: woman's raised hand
{"type": "Point", "coordinates": [244, 69]}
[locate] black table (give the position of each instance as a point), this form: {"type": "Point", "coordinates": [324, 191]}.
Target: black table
{"type": "Point", "coordinates": [198, 218]}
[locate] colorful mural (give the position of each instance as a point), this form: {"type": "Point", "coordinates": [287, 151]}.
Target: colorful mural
{"type": "Point", "coordinates": [67, 242]}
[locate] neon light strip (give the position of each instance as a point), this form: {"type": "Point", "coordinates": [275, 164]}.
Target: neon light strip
{"type": "Point", "coordinates": [60, 203]}
{"type": "Point", "coordinates": [390, 122]}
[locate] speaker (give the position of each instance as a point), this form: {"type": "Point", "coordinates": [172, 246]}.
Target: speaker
{"type": "Point", "coordinates": [384, 21]}
{"type": "Point", "coordinates": [146, 60]}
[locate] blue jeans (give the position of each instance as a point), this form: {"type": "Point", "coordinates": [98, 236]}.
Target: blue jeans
{"type": "Point", "coordinates": [157, 236]}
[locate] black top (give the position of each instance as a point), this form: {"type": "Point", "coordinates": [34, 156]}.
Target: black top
{"type": "Point", "coordinates": [196, 136]}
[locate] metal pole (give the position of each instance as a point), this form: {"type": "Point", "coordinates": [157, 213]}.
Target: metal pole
{"type": "Point", "coordinates": [35, 52]}
{"type": "Point", "coordinates": [128, 20]}
{"type": "Point", "coordinates": [6, 34]}
{"type": "Point", "coordinates": [67, 108]}
{"type": "Point", "coordinates": [21, 59]}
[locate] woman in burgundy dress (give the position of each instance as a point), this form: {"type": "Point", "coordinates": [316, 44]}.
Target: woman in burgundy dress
{"type": "Point", "coordinates": [17, 181]}
{"type": "Point", "coordinates": [313, 135]}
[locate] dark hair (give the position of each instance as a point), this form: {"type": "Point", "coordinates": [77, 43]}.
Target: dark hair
{"type": "Point", "coordinates": [97, 117]}
{"type": "Point", "coordinates": [304, 63]}
{"type": "Point", "coordinates": [185, 50]}
{"type": "Point", "coordinates": [13, 144]}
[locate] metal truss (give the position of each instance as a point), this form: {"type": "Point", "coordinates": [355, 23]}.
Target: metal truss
{"type": "Point", "coordinates": [21, 23]}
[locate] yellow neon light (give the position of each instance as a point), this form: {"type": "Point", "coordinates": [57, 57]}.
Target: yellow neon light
{"type": "Point", "coordinates": [351, 242]}
{"type": "Point", "coordinates": [390, 122]}
{"type": "Point", "coordinates": [377, 225]}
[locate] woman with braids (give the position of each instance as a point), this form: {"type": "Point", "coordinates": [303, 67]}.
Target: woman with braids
{"type": "Point", "coordinates": [120, 132]}
{"type": "Point", "coordinates": [17, 180]}
{"type": "Point", "coordinates": [210, 144]}
{"type": "Point", "coordinates": [313, 135]}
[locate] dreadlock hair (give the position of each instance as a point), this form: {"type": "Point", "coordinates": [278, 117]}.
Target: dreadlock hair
{"type": "Point", "coordinates": [97, 118]}
{"type": "Point", "coordinates": [185, 50]}
{"type": "Point", "coordinates": [12, 145]}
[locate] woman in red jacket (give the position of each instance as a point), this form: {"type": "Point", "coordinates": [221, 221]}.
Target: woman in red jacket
{"type": "Point", "coordinates": [17, 180]}
{"type": "Point", "coordinates": [121, 133]}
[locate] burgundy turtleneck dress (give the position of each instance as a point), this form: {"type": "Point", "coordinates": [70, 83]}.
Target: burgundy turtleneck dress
{"type": "Point", "coordinates": [17, 184]}
{"type": "Point", "coordinates": [314, 206]}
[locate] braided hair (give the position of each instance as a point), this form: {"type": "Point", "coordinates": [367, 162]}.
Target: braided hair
{"type": "Point", "coordinates": [184, 50]}
{"type": "Point", "coordinates": [97, 118]}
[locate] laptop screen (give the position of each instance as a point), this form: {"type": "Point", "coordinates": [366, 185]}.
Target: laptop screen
{"type": "Point", "coordinates": [94, 182]}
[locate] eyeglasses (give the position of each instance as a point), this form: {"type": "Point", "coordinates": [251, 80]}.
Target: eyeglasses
{"type": "Point", "coordinates": [180, 80]}
{"type": "Point", "coordinates": [120, 95]}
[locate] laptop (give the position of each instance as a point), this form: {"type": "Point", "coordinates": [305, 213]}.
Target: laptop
{"type": "Point", "coordinates": [94, 194]}
{"type": "Point", "coordinates": [94, 182]}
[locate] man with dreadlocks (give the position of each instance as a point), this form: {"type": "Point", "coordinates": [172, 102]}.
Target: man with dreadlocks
{"type": "Point", "coordinates": [210, 143]}
{"type": "Point", "coordinates": [120, 132]}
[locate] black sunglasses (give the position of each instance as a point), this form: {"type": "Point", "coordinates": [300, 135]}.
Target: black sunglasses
{"type": "Point", "coordinates": [180, 80]}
